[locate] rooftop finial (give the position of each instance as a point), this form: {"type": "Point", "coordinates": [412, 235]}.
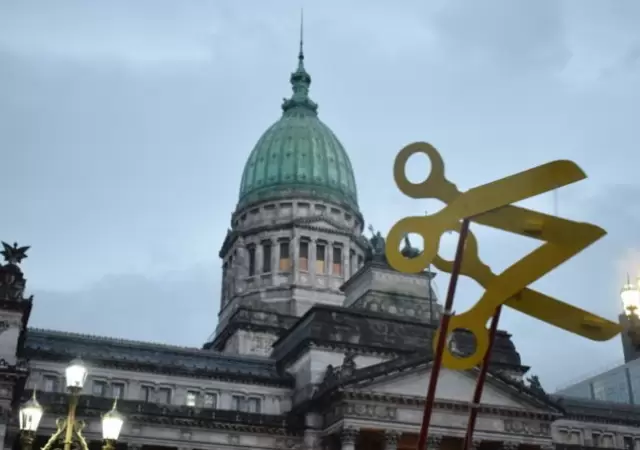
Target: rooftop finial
{"type": "Point", "coordinates": [300, 81]}
{"type": "Point", "coordinates": [301, 52]}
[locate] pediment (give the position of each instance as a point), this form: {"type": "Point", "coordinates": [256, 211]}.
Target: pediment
{"type": "Point", "coordinates": [322, 222]}
{"type": "Point", "coordinates": [456, 386]}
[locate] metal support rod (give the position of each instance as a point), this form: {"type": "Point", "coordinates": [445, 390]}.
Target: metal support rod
{"type": "Point", "coordinates": [482, 376]}
{"type": "Point", "coordinates": [71, 418]}
{"type": "Point", "coordinates": [442, 337]}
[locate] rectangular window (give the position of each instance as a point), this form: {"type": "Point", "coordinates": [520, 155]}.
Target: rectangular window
{"type": "Point", "coordinates": [50, 383]}
{"type": "Point", "coordinates": [266, 257]}
{"type": "Point", "coordinates": [337, 261]}
{"type": "Point", "coordinates": [117, 390]}
{"type": "Point", "coordinates": [304, 256]}
{"type": "Point", "coordinates": [628, 443]}
{"type": "Point", "coordinates": [595, 439]}
{"type": "Point", "coordinates": [99, 388]}
{"type": "Point", "coordinates": [145, 393]}
{"type": "Point", "coordinates": [252, 261]}
{"type": "Point", "coordinates": [210, 400]}
{"type": "Point", "coordinates": [574, 438]}
{"type": "Point", "coordinates": [320, 258]}
{"type": "Point", "coordinates": [360, 261]}
{"type": "Point", "coordinates": [237, 403]}
{"type": "Point", "coordinates": [285, 260]}
{"type": "Point", "coordinates": [164, 395]}
{"type": "Point", "coordinates": [192, 398]}
{"type": "Point", "coordinates": [253, 405]}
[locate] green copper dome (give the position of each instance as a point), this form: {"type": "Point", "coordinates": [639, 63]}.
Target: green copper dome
{"type": "Point", "coordinates": [299, 156]}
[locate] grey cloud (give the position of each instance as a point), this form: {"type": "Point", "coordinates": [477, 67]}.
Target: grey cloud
{"type": "Point", "coordinates": [516, 36]}
{"type": "Point", "coordinates": [128, 306]}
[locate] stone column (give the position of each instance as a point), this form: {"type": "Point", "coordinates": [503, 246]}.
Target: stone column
{"type": "Point", "coordinates": [434, 441]}
{"type": "Point", "coordinates": [348, 437]}
{"type": "Point", "coordinates": [275, 256]}
{"type": "Point", "coordinates": [312, 439]}
{"type": "Point", "coordinates": [312, 258]}
{"type": "Point", "coordinates": [294, 255]}
{"type": "Point", "coordinates": [353, 262]}
{"type": "Point", "coordinates": [391, 440]}
{"type": "Point", "coordinates": [259, 266]}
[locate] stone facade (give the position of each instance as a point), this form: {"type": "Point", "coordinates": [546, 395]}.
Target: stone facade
{"type": "Point", "coordinates": [337, 377]}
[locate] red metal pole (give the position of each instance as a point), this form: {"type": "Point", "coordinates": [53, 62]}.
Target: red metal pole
{"type": "Point", "coordinates": [477, 395]}
{"type": "Point", "coordinates": [442, 337]}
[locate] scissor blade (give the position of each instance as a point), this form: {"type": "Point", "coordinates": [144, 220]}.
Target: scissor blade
{"type": "Point", "coordinates": [516, 187]}
{"type": "Point", "coordinates": [563, 315]}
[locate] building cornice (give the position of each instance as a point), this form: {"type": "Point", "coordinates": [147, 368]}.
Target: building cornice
{"type": "Point", "coordinates": [333, 325]}
{"type": "Point", "coordinates": [174, 415]}
{"type": "Point", "coordinates": [306, 223]}
{"type": "Point", "coordinates": [144, 357]}
{"type": "Point", "coordinates": [352, 395]}
{"type": "Point", "coordinates": [230, 375]}
{"type": "Point", "coordinates": [251, 320]}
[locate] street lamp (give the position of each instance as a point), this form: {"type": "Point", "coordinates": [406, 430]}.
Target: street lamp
{"type": "Point", "coordinates": [630, 296]}
{"type": "Point", "coordinates": [68, 427]}
{"type": "Point", "coordinates": [111, 426]}
{"type": "Point", "coordinates": [30, 415]}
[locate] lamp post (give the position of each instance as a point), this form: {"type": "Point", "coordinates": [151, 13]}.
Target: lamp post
{"type": "Point", "coordinates": [630, 296]}
{"type": "Point", "coordinates": [70, 427]}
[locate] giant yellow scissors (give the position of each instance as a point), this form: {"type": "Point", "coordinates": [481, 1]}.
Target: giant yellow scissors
{"type": "Point", "coordinates": [490, 205]}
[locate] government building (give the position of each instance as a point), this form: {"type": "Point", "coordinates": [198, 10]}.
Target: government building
{"type": "Point", "coordinates": [320, 344]}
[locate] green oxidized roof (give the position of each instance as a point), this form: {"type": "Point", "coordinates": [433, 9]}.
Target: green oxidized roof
{"type": "Point", "coordinates": [299, 155]}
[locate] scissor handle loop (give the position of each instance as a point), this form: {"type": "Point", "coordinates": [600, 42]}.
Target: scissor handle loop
{"type": "Point", "coordinates": [480, 333]}
{"type": "Point", "coordinates": [434, 181]}
{"type": "Point", "coordinates": [430, 236]}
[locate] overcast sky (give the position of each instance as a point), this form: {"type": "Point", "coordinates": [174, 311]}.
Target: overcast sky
{"type": "Point", "coordinates": [124, 127]}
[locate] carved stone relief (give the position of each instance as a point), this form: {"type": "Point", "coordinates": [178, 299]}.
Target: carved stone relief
{"type": "Point", "coordinates": [372, 411]}
{"type": "Point", "coordinates": [261, 344]}
{"type": "Point", "coordinates": [528, 428]}
{"type": "Point", "coordinates": [285, 443]}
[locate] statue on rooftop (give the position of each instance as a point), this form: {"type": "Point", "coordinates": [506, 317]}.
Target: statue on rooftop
{"type": "Point", "coordinates": [376, 246]}
{"type": "Point", "coordinates": [13, 254]}
{"type": "Point", "coordinates": [535, 385]}
{"type": "Point", "coordinates": [408, 251]}
{"type": "Point", "coordinates": [12, 281]}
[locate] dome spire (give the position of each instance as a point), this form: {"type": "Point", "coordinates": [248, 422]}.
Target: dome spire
{"type": "Point", "coordinates": [300, 82]}
{"type": "Point", "coordinates": [301, 52]}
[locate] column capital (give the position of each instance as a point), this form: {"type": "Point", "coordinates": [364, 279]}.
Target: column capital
{"type": "Point", "coordinates": [391, 438]}
{"type": "Point", "coordinates": [475, 444]}
{"type": "Point", "coordinates": [549, 446]}
{"type": "Point", "coordinates": [349, 435]}
{"type": "Point", "coordinates": [434, 441]}
{"type": "Point", "coordinates": [507, 445]}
